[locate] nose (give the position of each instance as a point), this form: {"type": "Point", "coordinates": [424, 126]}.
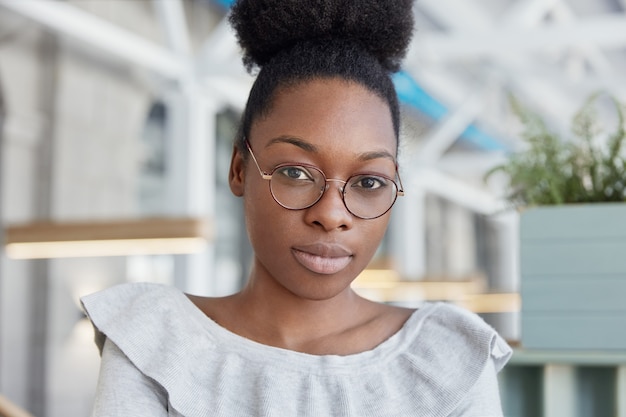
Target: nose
{"type": "Point", "coordinates": [330, 211]}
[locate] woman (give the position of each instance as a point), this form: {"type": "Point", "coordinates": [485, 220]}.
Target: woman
{"type": "Point", "coordinates": [315, 164]}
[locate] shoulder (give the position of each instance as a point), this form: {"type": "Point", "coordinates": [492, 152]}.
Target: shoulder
{"type": "Point", "coordinates": [159, 337]}
{"type": "Point", "coordinates": [129, 291]}
{"type": "Point", "coordinates": [121, 299]}
{"type": "Point", "coordinates": [134, 314]}
{"type": "Point", "coordinates": [453, 356]}
{"type": "Point", "coordinates": [455, 346]}
{"type": "Point", "coordinates": [459, 333]}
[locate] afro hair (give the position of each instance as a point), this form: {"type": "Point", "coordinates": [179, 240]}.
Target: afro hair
{"type": "Point", "coordinates": [266, 27]}
{"type": "Point", "coordinates": [292, 41]}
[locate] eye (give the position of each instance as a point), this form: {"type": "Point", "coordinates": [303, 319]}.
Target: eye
{"type": "Point", "coordinates": [296, 173]}
{"type": "Point", "coordinates": [369, 182]}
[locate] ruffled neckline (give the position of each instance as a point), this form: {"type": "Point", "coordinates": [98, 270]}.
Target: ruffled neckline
{"type": "Point", "coordinates": [426, 368]}
{"type": "Point", "coordinates": [272, 355]}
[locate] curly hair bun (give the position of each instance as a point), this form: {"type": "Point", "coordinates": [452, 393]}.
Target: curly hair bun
{"type": "Point", "coordinates": [266, 27]}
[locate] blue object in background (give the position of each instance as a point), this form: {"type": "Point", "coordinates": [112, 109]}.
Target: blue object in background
{"type": "Point", "coordinates": [412, 94]}
{"type": "Point", "coordinates": [225, 3]}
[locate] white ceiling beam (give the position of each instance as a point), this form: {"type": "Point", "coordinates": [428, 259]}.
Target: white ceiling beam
{"type": "Point", "coordinates": [471, 164]}
{"type": "Point", "coordinates": [94, 32]}
{"type": "Point", "coordinates": [474, 20]}
{"type": "Point", "coordinates": [455, 190]}
{"type": "Point", "coordinates": [526, 13]}
{"type": "Point", "coordinates": [606, 32]}
{"type": "Point", "coordinates": [584, 85]}
{"type": "Point", "coordinates": [219, 66]}
{"type": "Point", "coordinates": [457, 15]}
{"type": "Point", "coordinates": [171, 14]}
{"type": "Point", "coordinates": [220, 43]}
{"type": "Point", "coordinates": [531, 12]}
{"type": "Point", "coordinates": [220, 54]}
{"type": "Point", "coordinates": [447, 130]}
{"type": "Point", "coordinates": [520, 14]}
{"type": "Point", "coordinates": [529, 84]}
{"type": "Point", "coordinates": [229, 90]}
{"type": "Point", "coordinates": [591, 53]}
{"type": "Point", "coordinates": [543, 94]}
{"type": "Point", "coordinates": [605, 76]}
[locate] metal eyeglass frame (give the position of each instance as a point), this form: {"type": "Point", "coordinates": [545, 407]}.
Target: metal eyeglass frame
{"type": "Point", "coordinates": [268, 177]}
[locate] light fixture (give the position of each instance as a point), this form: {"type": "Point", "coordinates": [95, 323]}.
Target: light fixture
{"type": "Point", "coordinates": [492, 302]}
{"type": "Point", "coordinates": [163, 235]}
{"type": "Point", "coordinates": [386, 285]}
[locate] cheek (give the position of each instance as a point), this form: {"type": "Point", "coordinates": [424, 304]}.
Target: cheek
{"type": "Point", "coordinates": [374, 231]}
{"type": "Point", "coordinates": [265, 219]}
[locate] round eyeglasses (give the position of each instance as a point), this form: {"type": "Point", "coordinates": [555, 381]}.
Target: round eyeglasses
{"type": "Point", "coordinates": [300, 186]}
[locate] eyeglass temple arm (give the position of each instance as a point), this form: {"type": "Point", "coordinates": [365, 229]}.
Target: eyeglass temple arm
{"type": "Point", "coordinates": [263, 174]}
{"type": "Point", "coordinates": [401, 189]}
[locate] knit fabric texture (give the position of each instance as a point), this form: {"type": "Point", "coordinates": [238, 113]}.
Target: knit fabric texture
{"type": "Point", "coordinates": [161, 356]}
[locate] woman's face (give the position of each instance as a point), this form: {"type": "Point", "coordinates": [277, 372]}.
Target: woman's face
{"type": "Point", "coordinates": [343, 129]}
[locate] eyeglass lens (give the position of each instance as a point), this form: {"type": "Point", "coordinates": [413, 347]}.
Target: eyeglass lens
{"type": "Point", "coordinates": [365, 195]}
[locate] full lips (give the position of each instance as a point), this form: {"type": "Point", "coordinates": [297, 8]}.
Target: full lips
{"type": "Point", "coordinates": [322, 264]}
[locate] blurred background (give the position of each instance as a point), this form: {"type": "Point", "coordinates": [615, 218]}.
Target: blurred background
{"type": "Point", "coordinates": [116, 127]}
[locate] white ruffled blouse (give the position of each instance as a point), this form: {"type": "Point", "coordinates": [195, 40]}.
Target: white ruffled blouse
{"type": "Point", "coordinates": [161, 356]}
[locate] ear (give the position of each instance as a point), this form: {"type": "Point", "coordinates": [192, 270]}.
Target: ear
{"type": "Point", "coordinates": [236, 174]}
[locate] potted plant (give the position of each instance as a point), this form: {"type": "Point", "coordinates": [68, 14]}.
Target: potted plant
{"type": "Point", "coordinates": [570, 192]}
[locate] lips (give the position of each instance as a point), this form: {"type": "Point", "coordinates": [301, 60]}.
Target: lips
{"type": "Point", "coordinates": [322, 258]}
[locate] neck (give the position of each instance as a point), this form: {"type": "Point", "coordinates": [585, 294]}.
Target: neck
{"type": "Point", "coordinates": [278, 317]}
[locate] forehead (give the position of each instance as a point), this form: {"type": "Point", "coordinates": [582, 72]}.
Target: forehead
{"type": "Point", "coordinates": [333, 114]}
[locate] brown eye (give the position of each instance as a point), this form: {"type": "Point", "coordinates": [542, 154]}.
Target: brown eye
{"type": "Point", "coordinates": [368, 182]}
{"type": "Point", "coordinates": [296, 173]}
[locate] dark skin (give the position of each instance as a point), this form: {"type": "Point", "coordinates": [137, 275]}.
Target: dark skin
{"type": "Point", "coordinates": [298, 296]}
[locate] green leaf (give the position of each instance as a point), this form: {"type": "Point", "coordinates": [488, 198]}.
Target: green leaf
{"type": "Point", "coordinates": [588, 167]}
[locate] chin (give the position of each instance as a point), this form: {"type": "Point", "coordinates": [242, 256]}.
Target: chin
{"type": "Point", "coordinates": [321, 287]}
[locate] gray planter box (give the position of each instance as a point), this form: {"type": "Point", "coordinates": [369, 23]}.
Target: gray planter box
{"type": "Point", "coordinates": [573, 277]}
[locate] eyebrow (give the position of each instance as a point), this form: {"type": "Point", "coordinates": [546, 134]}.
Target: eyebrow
{"type": "Point", "coordinates": [365, 156]}
{"type": "Point", "coordinates": [368, 156]}
{"type": "Point", "coordinates": [294, 141]}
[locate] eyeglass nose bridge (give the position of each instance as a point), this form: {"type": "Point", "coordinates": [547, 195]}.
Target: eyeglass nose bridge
{"type": "Point", "coordinates": [341, 187]}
